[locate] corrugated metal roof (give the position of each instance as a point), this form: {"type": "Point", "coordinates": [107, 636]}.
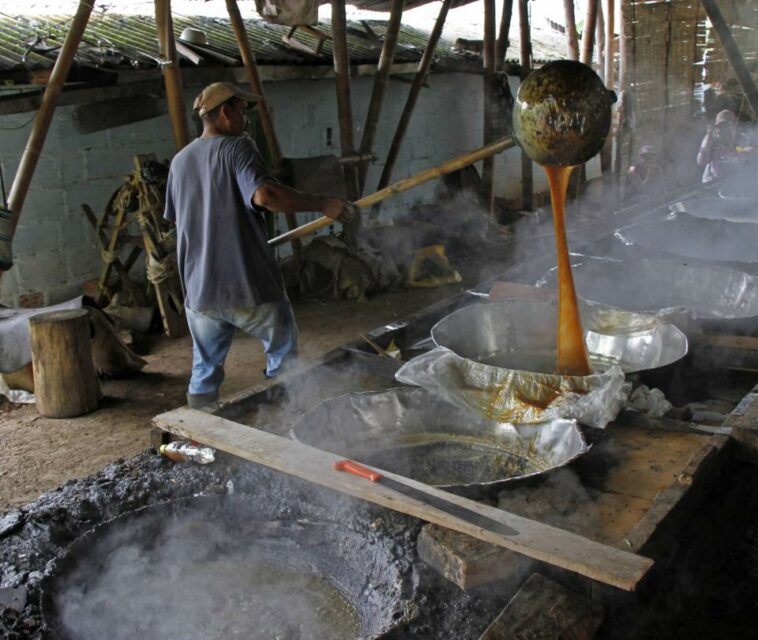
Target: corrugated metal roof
{"type": "Point", "coordinates": [114, 41]}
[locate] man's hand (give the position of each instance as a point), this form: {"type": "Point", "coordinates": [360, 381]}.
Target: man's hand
{"type": "Point", "coordinates": [339, 209]}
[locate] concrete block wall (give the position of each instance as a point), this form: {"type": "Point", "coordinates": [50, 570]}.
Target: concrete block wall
{"type": "Point", "coordinates": [54, 248]}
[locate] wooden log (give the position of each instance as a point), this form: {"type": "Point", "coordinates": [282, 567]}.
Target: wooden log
{"type": "Point", "coordinates": [65, 382]}
{"type": "Point", "coordinates": [572, 40]}
{"type": "Point", "coordinates": [490, 108]}
{"type": "Point", "coordinates": [403, 185]}
{"type": "Point", "coordinates": [53, 90]}
{"type": "Point", "coordinates": [502, 37]}
{"type": "Point", "coordinates": [380, 84]}
{"type": "Point", "coordinates": [410, 103]}
{"type": "Point", "coordinates": [588, 35]}
{"type": "Point", "coordinates": [171, 74]}
{"type": "Point", "coordinates": [531, 538]}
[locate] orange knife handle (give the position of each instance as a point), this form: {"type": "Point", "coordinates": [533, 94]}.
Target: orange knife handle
{"type": "Point", "coordinates": [357, 469]}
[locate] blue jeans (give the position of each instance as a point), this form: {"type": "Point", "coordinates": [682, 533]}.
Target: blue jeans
{"type": "Point", "coordinates": [273, 323]}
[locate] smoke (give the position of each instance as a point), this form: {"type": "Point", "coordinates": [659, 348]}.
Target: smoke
{"type": "Point", "coordinates": [205, 576]}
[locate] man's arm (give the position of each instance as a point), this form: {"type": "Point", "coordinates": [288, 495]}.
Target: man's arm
{"type": "Point", "coordinates": [278, 197]}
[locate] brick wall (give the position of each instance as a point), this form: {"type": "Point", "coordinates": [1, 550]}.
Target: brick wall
{"type": "Point", "coordinates": [54, 248]}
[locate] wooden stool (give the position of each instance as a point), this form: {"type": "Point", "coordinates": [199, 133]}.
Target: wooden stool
{"type": "Point", "coordinates": [65, 381]}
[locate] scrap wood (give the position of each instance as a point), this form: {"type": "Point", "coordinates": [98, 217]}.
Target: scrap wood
{"type": "Point", "coordinates": [540, 541]}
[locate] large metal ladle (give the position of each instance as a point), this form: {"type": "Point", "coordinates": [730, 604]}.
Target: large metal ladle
{"type": "Point", "coordinates": [561, 118]}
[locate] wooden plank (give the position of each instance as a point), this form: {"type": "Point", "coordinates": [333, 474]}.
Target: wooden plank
{"type": "Point", "coordinates": [744, 423]}
{"type": "Point", "coordinates": [539, 541]}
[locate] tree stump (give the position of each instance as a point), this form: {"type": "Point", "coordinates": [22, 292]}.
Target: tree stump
{"type": "Point", "coordinates": [65, 381]}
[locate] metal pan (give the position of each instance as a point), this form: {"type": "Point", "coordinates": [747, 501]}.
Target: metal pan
{"type": "Point", "coordinates": [702, 291]}
{"type": "Point", "coordinates": [521, 335]}
{"type": "Point", "coordinates": [684, 235]}
{"type": "Point", "coordinates": [412, 432]}
{"type": "Point", "coordinates": [718, 209]}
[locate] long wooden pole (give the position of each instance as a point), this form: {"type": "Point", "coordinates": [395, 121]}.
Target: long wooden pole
{"type": "Point", "coordinates": [623, 101]}
{"type": "Point", "coordinates": [572, 40]}
{"type": "Point", "coordinates": [344, 107]}
{"type": "Point", "coordinates": [502, 37]}
{"type": "Point", "coordinates": [732, 53]}
{"type": "Point", "coordinates": [488, 84]}
{"type": "Point", "coordinates": [254, 78]}
{"type": "Point", "coordinates": [380, 84]}
{"type": "Point", "coordinates": [525, 56]}
{"type": "Point", "coordinates": [609, 10]}
{"type": "Point", "coordinates": [171, 74]}
{"type": "Point", "coordinates": [588, 35]}
{"type": "Point", "coordinates": [404, 185]}
{"type": "Point", "coordinates": [600, 40]}
{"type": "Point", "coordinates": [413, 94]}
{"type": "Point", "coordinates": [44, 117]}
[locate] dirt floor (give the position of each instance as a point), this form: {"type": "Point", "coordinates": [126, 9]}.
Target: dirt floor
{"type": "Point", "coordinates": [39, 454]}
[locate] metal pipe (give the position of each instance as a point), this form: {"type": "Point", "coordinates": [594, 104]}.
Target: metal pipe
{"type": "Point", "coordinates": [410, 103]}
{"type": "Point", "coordinates": [44, 117]}
{"type": "Point", "coordinates": [380, 84]}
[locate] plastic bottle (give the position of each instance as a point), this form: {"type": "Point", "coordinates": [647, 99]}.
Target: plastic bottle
{"type": "Point", "coordinates": [182, 451]}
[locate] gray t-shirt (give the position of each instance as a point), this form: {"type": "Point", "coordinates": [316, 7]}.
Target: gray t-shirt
{"type": "Point", "coordinates": [223, 255]}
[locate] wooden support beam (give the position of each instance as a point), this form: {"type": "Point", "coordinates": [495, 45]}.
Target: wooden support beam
{"type": "Point", "coordinates": [525, 56]}
{"type": "Point", "coordinates": [733, 53]}
{"type": "Point", "coordinates": [572, 40]}
{"type": "Point", "coordinates": [403, 185]}
{"type": "Point", "coordinates": [588, 35]}
{"type": "Point", "coordinates": [502, 37]}
{"type": "Point", "coordinates": [172, 76]}
{"type": "Point", "coordinates": [380, 84]}
{"type": "Point", "coordinates": [490, 108]}
{"type": "Point", "coordinates": [410, 103]}
{"type": "Point", "coordinates": [36, 141]}
{"type": "Point", "coordinates": [609, 11]}
{"type": "Point", "coordinates": [344, 106]}
{"type": "Point", "coordinates": [542, 542]}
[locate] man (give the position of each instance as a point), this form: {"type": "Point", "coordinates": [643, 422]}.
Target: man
{"type": "Point", "coordinates": [217, 193]}
{"type": "Point", "coordinates": [718, 150]}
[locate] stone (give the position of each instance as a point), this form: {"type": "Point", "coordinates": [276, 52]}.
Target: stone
{"type": "Point", "coordinates": [11, 598]}
{"type": "Point", "coordinates": [469, 562]}
{"type": "Point", "coordinates": [11, 522]}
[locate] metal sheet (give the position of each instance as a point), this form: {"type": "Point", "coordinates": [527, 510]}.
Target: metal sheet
{"type": "Point", "coordinates": [742, 210]}
{"type": "Point", "coordinates": [651, 286]}
{"type": "Point", "coordinates": [416, 434]}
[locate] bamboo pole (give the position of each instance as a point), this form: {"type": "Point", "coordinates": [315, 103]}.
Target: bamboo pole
{"type": "Point", "coordinates": [404, 185]}
{"type": "Point", "coordinates": [527, 176]}
{"type": "Point", "coordinates": [622, 104]}
{"type": "Point", "coordinates": [254, 78]}
{"type": "Point", "coordinates": [732, 53]}
{"type": "Point", "coordinates": [410, 103]}
{"type": "Point", "coordinates": [609, 11]}
{"type": "Point", "coordinates": [488, 84]}
{"type": "Point", "coordinates": [572, 40]}
{"type": "Point", "coordinates": [600, 40]}
{"type": "Point", "coordinates": [344, 108]}
{"type": "Point", "coordinates": [502, 37]}
{"type": "Point", "coordinates": [171, 74]}
{"type": "Point", "coordinates": [44, 117]}
{"type": "Point", "coordinates": [380, 84]}
{"type": "Point", "coordinates": [588, 35]}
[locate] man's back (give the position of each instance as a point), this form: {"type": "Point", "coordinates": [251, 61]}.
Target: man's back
{"type": "Point", "coordinates": [223, 254]}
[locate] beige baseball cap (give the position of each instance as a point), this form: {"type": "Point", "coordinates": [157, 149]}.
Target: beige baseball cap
{"type": "Point", "coordinates": [218, 93]}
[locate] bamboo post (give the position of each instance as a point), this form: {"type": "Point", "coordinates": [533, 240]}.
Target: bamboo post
{"type": "Point", "coordinates": [254, 78]}
{"type": "Point", "coordinates": [525, 58]}
{"type": "Point", "coordinates": [172, 77]}
{"type": "Point", "coordinates": [410, 103]}
{"type": "Point", "coordinates": [344, 108]}
{"type": "Point", "coordinates": [588, 35]}
{"type": "Point", "coordinates": [488, 164]}
{"type": "Point", "coordinates": [732, 53]}
{"type": "Point", "coordinates": [572, 40]}
{"type": "Point", "coordinates": [44, 117]}
{"type": "Point", "coordinates": [609, 11]}
{"type": "Point", "coordinates": [600, 40]}
{"type": "Point", "coordinates": [65, 380]}
{"type": "Point", "coordinates": [404, 185]}
{"type": "Point", "coordinates": [380, 84]}
{"type": "Point", "coordinates": [264, 112]}
{"type": "Point", "coordinates": [621, 109]}
{"type": "Point", "coordinates": [502, 37]}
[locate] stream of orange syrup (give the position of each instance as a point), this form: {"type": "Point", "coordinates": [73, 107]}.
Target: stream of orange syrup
{"type": "Point", "coordinates": [572, 352]}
